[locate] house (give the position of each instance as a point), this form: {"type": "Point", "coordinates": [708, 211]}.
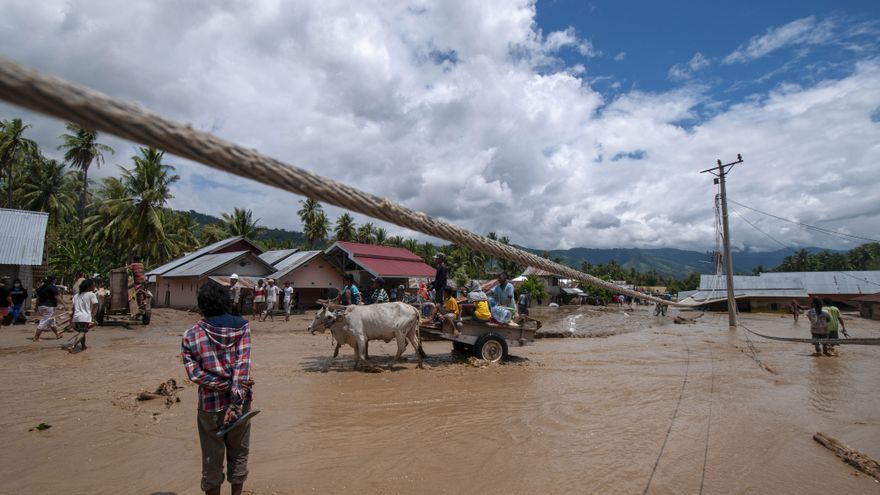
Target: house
{"type": "Point", "coordinates": [869, 306]}
{"type": "Point", "coordinates": [774, 291]}
{"type": "Point", "coordinates": [552, 283]}
{"type": "Point", "coordinates": [165, 289]}
{"type": "Point", "coordinates": [23, 245]}
{"type": "Point", "coordinates": [752, 293]}
{"type": "Point", "coordinates": [180, 286]}
{"type": "Point", "coordinates": [367, 261]}
{"type": "Point", "coordinates": [312, 274]}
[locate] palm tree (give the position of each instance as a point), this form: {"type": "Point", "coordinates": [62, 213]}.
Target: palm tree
{"type": "Point", "coordinates": [365, 233]}
{"type": "Point", "coordinates": [242, 223]}
{"type": "Point", "coordinates": [345, 229]}
{"type": "Point", "coordinates": [317, 229]}
{"type": "Point", "coordinates": [181, 228]}
{"type": "Point", "coordinates": [132, 212]}
{"type": "Point", "coordinates": [14, 150]}
{"type": "Point", "coordinates": [308, 211]}
{"type": "Point", "coordinates": [49, 189]}
{"type": "Point", "coordinates": [380, 235]}
{"type": "Point", "coordinates": [213, 232]}
{"type": "Point", "coordinates": [81, 149]}
{"type": "Point", "coordinates": [395, 241]}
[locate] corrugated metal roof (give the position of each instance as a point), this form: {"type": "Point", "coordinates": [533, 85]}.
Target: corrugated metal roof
{"type": "Point", "coordinates": [273, 257]}
{"type": "Point", "coordinates": [167, 267]}
{"type": "Point", "coordinates": [22, 237]}
{"type": "Point", "coordinates": [374, 251]}
{"type": "Point", "coordinates": [849, 282]}
{"type": "Point", "coordinates": [293, 262]}
{"type": "Point", "coordinates": [750, 282]}
{"type": "Point", "coordinates": [740, 293]}
{"type": "Point", "coordinates": [205, 264]}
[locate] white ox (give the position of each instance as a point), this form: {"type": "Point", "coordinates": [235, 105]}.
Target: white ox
{"type": "Point", "coordinates": [357, 325]}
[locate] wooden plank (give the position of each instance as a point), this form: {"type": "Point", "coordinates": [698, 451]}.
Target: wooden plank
{"type": "Point", "coordinates": [852, 457]}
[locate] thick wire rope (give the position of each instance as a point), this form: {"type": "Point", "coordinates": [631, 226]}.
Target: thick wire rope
{"type": "Point", "coordinates": [674, 414]}
{"type": "Point", "coordinates": [59, 98]}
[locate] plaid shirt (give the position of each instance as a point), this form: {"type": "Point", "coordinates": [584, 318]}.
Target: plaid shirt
{"type": "Point", "coordinates": [219, 360]}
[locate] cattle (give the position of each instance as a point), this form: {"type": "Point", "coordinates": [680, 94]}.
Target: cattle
{"type": "Point", "coordinates": [357, 325]}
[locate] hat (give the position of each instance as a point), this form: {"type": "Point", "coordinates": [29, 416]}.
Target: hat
{"type": "Point", "coordinates": [234, 276]}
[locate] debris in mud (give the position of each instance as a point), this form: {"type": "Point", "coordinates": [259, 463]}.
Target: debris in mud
{"type": "Point", "coordinates": [168, 390]}
{"type": "Point", "coordinates": [852, 457]}
{"type": "Point", "coordinates": [478, 363]}
{"type": "Point", "coordinates": [41, 427]}
{"type": "Point", "coordinates": [681, 320]}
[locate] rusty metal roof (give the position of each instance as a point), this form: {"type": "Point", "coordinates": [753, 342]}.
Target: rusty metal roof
{"type": "Point", "coordinates": [22, 237]}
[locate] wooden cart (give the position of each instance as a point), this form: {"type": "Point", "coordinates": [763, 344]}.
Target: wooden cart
{"type": "Point", "coordinates": [118, 306]}
{"type": "Point", "coordinates": [489, 341]}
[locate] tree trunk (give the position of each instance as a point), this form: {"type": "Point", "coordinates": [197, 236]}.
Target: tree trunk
{"type": "Point", "coordinates": [852, 457]}
{"type": "Point", "coordinates": [9, 186]}
{"type": "Point", "coordinates": [83, 194]}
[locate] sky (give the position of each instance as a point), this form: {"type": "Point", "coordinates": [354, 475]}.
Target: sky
{"type": "Point", "coordinates": [559, 123]}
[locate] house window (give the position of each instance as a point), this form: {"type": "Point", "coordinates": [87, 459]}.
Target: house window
{"type": "Point", "coordinates": [774, 306]}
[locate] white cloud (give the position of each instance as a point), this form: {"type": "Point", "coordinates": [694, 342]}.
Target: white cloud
{"type": "Point", "coordinates": [805, 31]}
{"type": "Point", "coordinates": [620, 56]}
{"type": "Point", "coordinates": [682, 72]}
{"type": "Point", "coordinates": [461, 110]}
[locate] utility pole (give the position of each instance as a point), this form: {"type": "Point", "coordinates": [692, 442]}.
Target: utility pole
{"type": "Point", "coordinates": [720, 173]}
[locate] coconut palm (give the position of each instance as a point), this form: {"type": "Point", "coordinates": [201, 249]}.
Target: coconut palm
{"type": "Point", "coordinates": [49, 189]}
{"type": "Point", "coordinates": [15, 149]}
{"type": "Point", "coordinates": [81, 148]}
{"type": "Point", "coordinates": [380, 236]}
{"type": "Point", "coordinates": [317, 229]}
{"type": "Point", "coordinates": [308, 211]}
{"type": "Point", "coordinates": [395, 241]}
{"type": "Point", "coordinates": [345, 228]}
{"type": "Point", "coordinates": [366, 233]}
{"type": "Point", "coordinates": [241, 222]}
{"type": "Point", "coordinates": [212, 233]}
{"type": "Point", "coordinates": [181, 229]}
{"type": "Point", "coordinates": [131, 211]}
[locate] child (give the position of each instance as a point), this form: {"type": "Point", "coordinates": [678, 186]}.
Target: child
{"type": "Point", "coordinates": [85, 303]}
{"type": "Point", "coordinates": [451, 311]}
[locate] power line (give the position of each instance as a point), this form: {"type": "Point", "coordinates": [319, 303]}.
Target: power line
{"type": "Point", "coordinates": [807, 226]}
{"type": "Point", "coordinates": [793, 250]}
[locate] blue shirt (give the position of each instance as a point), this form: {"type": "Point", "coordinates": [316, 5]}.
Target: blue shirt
{"type": "Point", "coordinates": [355, 294]}
{"type": "Point", "coordinates": [504, 295]}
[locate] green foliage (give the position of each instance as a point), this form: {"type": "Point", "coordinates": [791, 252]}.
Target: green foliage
{"type": "Point", "coordinates": [49, 188]}
{"type": "Point", "coordinates": [534, 288]}
{"type": "Point", "coordinates": [345, 228]}
{"type": "Point", "coordinates": [15, 151]}
{"type": "Point", "coordinates": [81, 148]}
{"type": "Point", "coordinates": [461, 276]}
{"type": "Point", "coordinates": [864, 257]}
{"type": "Point", "coordinates": [241, 223]}
{"type": "Point", "coordinates": [316, 225]}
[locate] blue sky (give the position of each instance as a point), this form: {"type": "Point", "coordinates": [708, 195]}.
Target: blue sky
{"type": "Point", "coordinates": [557, 123]}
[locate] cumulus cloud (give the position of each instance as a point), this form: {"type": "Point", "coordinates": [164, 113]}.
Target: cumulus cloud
{"type": "Point", "coordinates": [462, 110]}
{"type": "Point", "coordinates": [620, 56]}
{"type": "Point", "coordinates": [805, 31]}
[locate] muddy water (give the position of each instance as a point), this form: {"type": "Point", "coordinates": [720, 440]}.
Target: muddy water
{"type": "Point", "coordinates": [577, 415]}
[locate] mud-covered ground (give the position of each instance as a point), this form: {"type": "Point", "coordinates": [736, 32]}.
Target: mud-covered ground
{"type": "Point", "coordinates": [686, 408]}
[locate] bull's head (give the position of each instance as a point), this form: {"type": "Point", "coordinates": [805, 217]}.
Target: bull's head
{"type": "Point", "coordinates": [325, 317]}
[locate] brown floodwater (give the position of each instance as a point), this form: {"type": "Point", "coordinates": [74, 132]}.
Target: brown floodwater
{"type": "Point", "coordinates": [643, 403]}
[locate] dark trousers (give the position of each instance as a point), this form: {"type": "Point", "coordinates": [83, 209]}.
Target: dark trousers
{"type": "Point", "coordinates": [234, 447]}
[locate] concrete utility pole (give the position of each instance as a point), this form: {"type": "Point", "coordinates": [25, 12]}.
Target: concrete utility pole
{"type": "Point", "coordinates": [720, 173]}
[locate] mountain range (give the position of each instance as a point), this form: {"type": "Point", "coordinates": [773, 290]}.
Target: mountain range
{"type": "Point", "coordinates": [673, 262]}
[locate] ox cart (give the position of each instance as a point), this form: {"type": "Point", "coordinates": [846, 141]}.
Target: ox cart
{"type": "Point", "coordinates": [488, 341]}
{"type": "Point", "coordinates": [126, 302]}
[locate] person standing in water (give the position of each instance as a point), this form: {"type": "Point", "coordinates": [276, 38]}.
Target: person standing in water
{"type": "Point", "coordinates": [48, 300]}
{"type": "Point", "coordinates": [85, 304]}
{"type": "Point", "coordinates": [819, 326]}
{"type": "Point", "coordinates": [795, 310]}
{"type": "Point", "coordinates": [835, 324]}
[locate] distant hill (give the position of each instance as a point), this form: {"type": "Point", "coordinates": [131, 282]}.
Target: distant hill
{"type": "Point", "coordinates": [672, 262]}
{"type": "Point", "coordinates": [669, 261]}
{"type": "Point", "coordinates": [276, 235]}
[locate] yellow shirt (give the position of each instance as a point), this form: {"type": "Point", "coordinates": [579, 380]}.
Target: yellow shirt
{"type": "Point", "coordinates": [481, 310]}
{"type": "Point", "coordinates": [451, 306]}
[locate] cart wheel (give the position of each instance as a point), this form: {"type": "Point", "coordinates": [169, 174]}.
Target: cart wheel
{"type": "Point", "coordinates": [99, 316]}
{"type": "Point", "coordinates": [145, 317]}
{"type": "Point", "coordinates": [491, 347]}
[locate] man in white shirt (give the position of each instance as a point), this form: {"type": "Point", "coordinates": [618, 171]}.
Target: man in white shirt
{"type": "Point", "coordinates": [288, 299]}
{"type": "Point", "coordinates": [85, 303]}
{"type": "Point", "coordinates": [234, 294]}
{"type": "Point", "coordinates": [271, 299]}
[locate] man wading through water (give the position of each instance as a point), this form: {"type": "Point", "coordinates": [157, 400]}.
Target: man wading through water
{"type": "Point", "coordinates": [217, 356]}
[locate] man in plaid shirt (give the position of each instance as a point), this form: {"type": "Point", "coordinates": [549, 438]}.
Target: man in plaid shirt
{"type": "Point", "coordinates": [217, 355]}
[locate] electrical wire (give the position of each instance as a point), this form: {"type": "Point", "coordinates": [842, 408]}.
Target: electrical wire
{"type": "Point", "coordinates": [806, 226]}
